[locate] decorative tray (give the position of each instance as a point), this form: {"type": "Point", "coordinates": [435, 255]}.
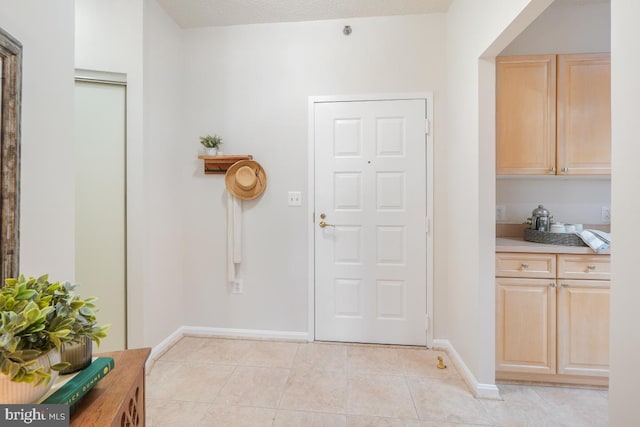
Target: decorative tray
{"type": "Point", "coordinates": [565, 239]}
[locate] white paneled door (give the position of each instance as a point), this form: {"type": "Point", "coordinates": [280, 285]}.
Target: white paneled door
{"type": "Point", "coordinates": [370, 221]}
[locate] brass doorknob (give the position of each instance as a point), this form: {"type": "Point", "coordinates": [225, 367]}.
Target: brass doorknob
{"type": "Point", "coordinates": [322, 223]}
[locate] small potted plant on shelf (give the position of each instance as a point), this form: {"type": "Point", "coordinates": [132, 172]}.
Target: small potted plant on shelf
{"type": "Point", "coordinates": [38, 319]}
{"type": "Point", "coordinates": [211, 144]}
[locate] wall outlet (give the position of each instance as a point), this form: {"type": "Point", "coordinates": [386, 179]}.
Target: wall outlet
{"type": "Point", "coordinates": [606, 214]}
{"type": "Point", "coordinates": [295, 198]}
{"type": "Point", "coordinates": [237, 287]}
{"type": "Point", "coordinates": [501, 213]}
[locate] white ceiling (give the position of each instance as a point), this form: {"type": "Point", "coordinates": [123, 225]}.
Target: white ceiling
{"type": "Point", "coordinates": [205, 13]}
{"type": "Point", "coordinates": [215, 13]}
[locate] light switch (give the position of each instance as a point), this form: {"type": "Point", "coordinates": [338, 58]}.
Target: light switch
{"type": "Point", "coordinates": [295, 198]}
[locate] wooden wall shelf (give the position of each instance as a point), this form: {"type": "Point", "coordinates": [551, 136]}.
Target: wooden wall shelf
{"type": "Point", "coordinates": [220, 164]}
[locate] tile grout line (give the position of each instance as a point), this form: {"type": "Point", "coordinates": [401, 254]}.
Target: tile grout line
{"type": "Point", "coordinates": [290, 369]}
{"type": "Point", "coordinates": [286, 382]}
{"type": "Point", "coordinates": [413, 400]}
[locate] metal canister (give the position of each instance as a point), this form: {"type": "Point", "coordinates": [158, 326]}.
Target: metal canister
{"type": "Point", "coordinates": [540, 219]}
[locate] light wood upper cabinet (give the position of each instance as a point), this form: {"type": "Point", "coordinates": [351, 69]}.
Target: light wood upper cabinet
{"type": "Point", "coordinates": [584, 114]}
{"type": "Point", "coordinates": [553, 115]}
{"type": "Point", "coordinates": [583, 327]}
{"type": "Point", "coordinates": [525, 114]}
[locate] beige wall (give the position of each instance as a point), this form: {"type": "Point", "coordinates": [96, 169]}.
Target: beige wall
{"type": "Point", "coordinates": [566, 28]}
{"type": "Point", "coordinates": [625, 291]}
{"type": "Point", "coordinates": [251, 85]}
{"type": "Point", "coordinates": [47, 196]}
{"type": "Point", "coordinates": [470, 164]}
{"type": "Point", "coordinates": [137, 38]}
{"type": "Point", "coordinates": [166, 295]}
{"type": "Point", "coordinates": [108, 37]}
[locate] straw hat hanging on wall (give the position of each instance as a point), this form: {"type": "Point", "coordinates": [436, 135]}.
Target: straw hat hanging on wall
{"type": "Point", "coordinates": [246, 179]}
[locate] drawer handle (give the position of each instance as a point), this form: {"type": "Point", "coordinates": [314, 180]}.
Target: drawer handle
{"type": "Point", "coordinates": [524, 265]}
{"type": "Point", "coordinates": [564, 285]}
{"type": "Point", "coordinates": [591, 267]}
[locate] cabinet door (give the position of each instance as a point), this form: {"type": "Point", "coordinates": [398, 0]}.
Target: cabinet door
{"type": "Point", "coordinates": [525, 115]}
{"type": "Point", "coordinates": [584, 114]}
{"type": "Point", "coordinates": [583, 327]}
{"type": "Point", "coordinates": [526, 325]}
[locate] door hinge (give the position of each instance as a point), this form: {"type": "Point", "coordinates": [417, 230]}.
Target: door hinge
{"type": "Point", "coordinates": [427, 224]}
{"type": "Point", "coordinates": [427, 126]}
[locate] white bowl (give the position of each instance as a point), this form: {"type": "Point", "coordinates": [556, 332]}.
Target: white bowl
{"type": "Point", "coordinates": [13, 392]}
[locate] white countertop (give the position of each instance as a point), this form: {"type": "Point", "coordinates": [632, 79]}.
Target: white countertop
{"type": "Point", "coordinates": [515, 244]}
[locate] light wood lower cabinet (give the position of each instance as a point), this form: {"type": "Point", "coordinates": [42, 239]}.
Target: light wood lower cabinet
{"type": "Point", "coordinates": [583, 327]}
{"type": "Point", "coordinates": [553, 329]}
{"type": "Point", "coordinates": [526, 325]}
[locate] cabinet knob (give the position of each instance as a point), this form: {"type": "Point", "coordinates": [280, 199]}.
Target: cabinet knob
{"type": "Point", "coordinates": [565, 169]}
{"type": "Point", "coordinates": [524, 265]}
{"type": "Point", "coordinates": [564, 285]}
{"type": "Point", "coordinates": [552, 284]}
{"type": "Point", "coordinates": [552, 169]}
{"type": "Point", "coordinates": [591, 267]}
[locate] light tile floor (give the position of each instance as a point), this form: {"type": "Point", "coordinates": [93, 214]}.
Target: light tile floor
{"type": "Point", "coordinates": [233, 382]}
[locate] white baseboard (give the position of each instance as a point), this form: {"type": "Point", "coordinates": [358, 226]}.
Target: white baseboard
{"type": "Point", "coordinates": [480, 391]}
{"type": "Point", "coordinates": [163, 347]}
{"type": "Point", "coordinates": [202, 331]}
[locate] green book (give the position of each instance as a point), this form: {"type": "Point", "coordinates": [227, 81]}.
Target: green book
{"type": "Point", "coordinates": [71, 391]}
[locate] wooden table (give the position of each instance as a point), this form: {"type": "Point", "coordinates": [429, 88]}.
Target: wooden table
{"type": "Point", "coordinates": [118, 399]}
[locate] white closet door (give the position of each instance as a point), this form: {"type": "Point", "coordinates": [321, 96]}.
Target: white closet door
{"type": "Point", "coordinates": [100, 203]}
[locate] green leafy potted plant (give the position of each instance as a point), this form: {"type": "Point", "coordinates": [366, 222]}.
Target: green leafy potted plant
{"type": "Point", "coordinates": [211, 143]}
{"type": "Point", "coordinates": [85, 330]}
{"type": "Point", "coordinates": [37, 319]}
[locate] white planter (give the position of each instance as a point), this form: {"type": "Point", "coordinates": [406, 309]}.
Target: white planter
{"type": "Point", "coordinates": [211, 151]}
{"type": "Point", "coordinates": [12, 392]}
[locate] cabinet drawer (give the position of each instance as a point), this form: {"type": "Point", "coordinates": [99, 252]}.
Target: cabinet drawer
{"type": "Point", "coordinates": [525, 265]}
{"type": "Point", "coordinates": [593, 267]}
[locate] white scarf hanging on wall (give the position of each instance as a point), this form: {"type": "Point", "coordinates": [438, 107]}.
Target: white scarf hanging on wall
{"type": "Point", "coordinates": [234, 235]}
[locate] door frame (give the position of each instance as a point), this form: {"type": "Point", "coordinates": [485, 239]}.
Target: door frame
{"type": "Point", "coordinates": [428, 98]}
